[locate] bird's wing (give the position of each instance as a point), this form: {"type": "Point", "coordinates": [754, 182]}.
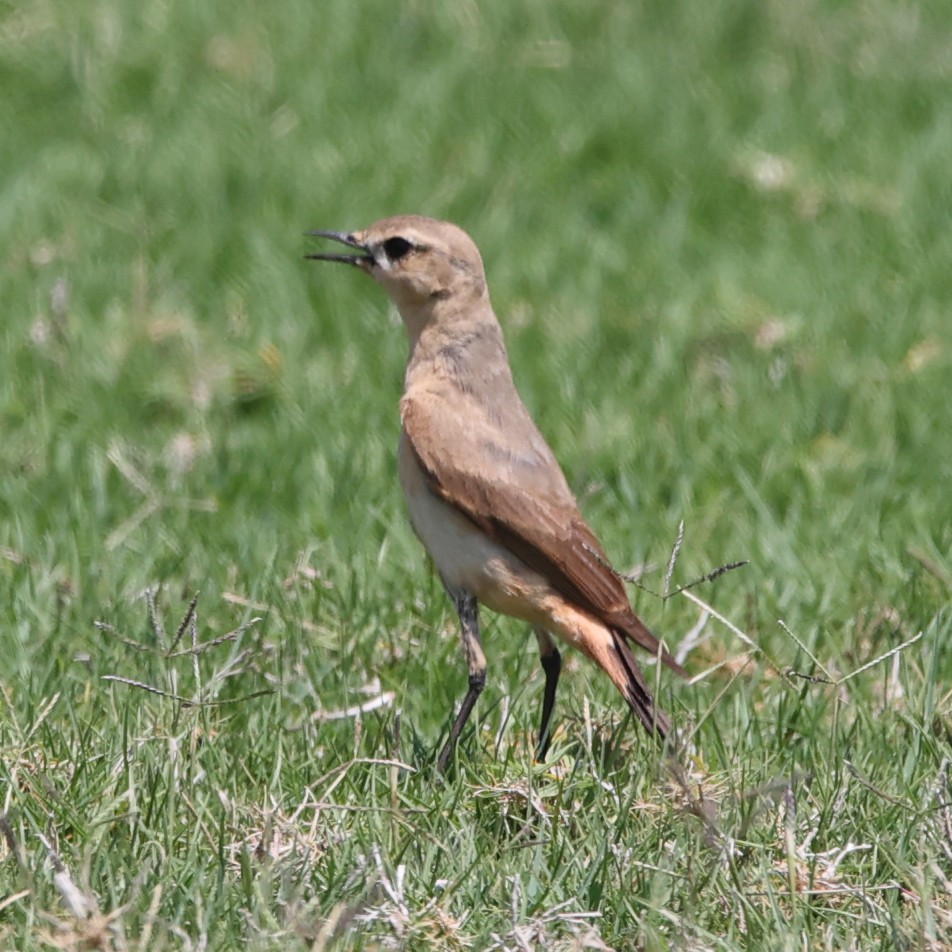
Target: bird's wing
{"type": "Point", "coordinates": [526, 507]}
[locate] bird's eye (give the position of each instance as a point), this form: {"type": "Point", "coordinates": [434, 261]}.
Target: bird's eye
{"type": "Point", "coordinates": [396, 248]}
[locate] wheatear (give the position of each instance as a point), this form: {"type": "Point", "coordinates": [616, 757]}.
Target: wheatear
{"type": "Point", "coordinates": [486, 496]}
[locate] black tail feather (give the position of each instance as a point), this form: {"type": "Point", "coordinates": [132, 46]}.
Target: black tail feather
{"type": "Point", "coordinates": [636, 691]}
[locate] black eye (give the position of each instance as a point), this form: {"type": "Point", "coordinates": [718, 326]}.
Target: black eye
{"type": "Point", "coordinates": [396, 248]}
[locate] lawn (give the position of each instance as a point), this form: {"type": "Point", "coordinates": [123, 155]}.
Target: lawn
{"type": "Point", "coordinates": [718, 238]}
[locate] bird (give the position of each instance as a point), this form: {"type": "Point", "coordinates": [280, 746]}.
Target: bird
{"type": "Point", "coordinates": [484, 492]}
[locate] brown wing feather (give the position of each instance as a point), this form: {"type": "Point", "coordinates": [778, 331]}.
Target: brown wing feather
{"type": "Point", "coordinates": [543, 528]}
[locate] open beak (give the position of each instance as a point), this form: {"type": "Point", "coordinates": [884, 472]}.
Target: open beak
{"type": "Point", "coordinates": [361, 260]}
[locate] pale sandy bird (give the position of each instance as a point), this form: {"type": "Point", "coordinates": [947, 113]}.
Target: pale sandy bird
{"type": "Point", "coordinates": [485, 494]}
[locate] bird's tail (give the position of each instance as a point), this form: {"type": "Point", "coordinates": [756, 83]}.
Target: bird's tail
{"type": "Point", "coordinates": [634, 629]}
{"type": "Point", "coordinates": [633, 688]}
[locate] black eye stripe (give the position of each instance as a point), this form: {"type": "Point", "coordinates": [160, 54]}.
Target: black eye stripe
{"type": "Point", "coordinates": [396, 248]}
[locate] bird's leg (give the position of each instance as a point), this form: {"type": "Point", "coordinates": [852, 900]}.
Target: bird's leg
{"type": "Point", "coordinates": [552, 666]}
{"type": "Point", "coordinates": [468, 611]}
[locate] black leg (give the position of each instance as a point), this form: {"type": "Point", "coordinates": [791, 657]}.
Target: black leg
{"type": "Point", "coordinates": [552, 666]}
{"type": "Point", "coordinates": [468, 611]}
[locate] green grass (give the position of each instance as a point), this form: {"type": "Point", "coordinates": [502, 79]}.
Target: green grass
{"type": "Point", "coordinates": [717, 235]}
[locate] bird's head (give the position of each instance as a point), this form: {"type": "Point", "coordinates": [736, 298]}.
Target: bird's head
{"type": "Point", "coordinates": [418, 261]}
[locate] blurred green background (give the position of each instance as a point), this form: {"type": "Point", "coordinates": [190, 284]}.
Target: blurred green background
{"type": "Point", "coordinates": [718, 238]}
